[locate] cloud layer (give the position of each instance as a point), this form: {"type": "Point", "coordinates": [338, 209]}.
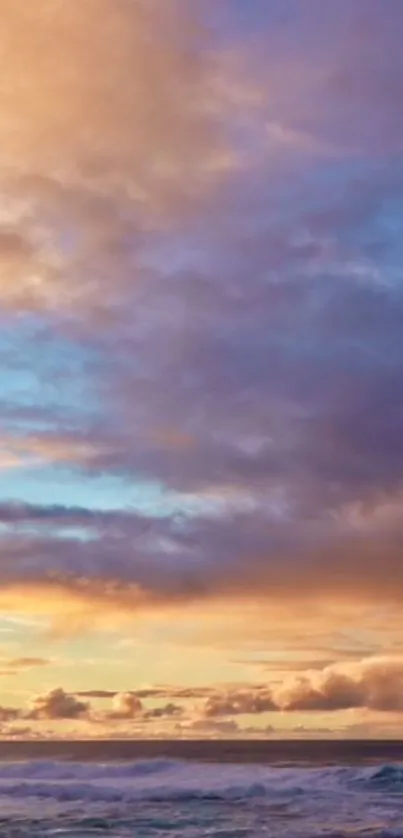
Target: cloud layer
{"type": "Point", "coordinates": [362, 697]}
{"type": "Point", "coordinates": [200, 294]}
{"type": "Point", "coordinates": [375, 684]}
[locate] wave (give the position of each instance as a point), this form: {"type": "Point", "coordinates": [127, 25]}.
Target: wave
{"type": "Point", "coordinates": [61, 770]}
{"type": "Point", "coordinates": [383, 778]}
{"type": "Point", "coordinates": [169, 780]}
{"type": "Point", "coordinates": [188, 799]}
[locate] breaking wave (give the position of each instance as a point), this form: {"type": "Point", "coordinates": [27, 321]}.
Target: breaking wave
{"type": "Point", "coordinates": [164, 779]}
{"type": "Point", "coordinates": [189, 800]}
{"type": "Point", "coordinates": [386, 778]}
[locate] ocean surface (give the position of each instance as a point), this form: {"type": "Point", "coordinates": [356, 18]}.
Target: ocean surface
{"type": "Point", "coordinates": [193, 789]}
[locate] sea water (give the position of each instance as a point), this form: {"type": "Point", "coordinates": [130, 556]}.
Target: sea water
{"type": "Point", "coordinates": [186, 798]}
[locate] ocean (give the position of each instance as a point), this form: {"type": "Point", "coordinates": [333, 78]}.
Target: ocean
{"type": "Point", "coordinates": [185, 789]}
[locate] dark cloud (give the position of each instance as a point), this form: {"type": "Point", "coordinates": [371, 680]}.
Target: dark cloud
{"type": "Point", "coordinates": [166, 711]}
{"type": "Point", "coordinates": [352, 551]}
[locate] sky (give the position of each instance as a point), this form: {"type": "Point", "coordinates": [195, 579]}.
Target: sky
{"type": "Point", "coordinates": [201, 368]}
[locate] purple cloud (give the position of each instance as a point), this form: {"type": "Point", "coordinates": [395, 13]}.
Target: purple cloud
{"type": "Point", "coordinates": [233, 307]}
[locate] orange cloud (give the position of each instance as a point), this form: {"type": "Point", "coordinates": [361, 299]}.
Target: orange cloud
{"type": "Point", "coordinates": [56, 704]}
{"type": "Point", "coordinates": [373, 683]}
{"type": "Point", "coordinates": [126, 705]}
{"type": "Point", "coordinates": [67, 105]}
{"type": "Point", "coordinates": [236, 702]}
{"type": "Point", "coordinates": [17, 452]}
{"type": "Point", "coordinates": [109, 113]}
{"type": "Point", "coordinates": [24, 663]}
{"type": "Point", "coordinates": [71, 607]}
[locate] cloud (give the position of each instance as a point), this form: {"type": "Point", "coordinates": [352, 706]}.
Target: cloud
{"type": "Point", "coordinates": [304, 732]}
{"type": "Point", "coordinates": [14, 666]}
{"type": "Point", "coordinates": [373, 683]}
{"type": "Point", "coordinates": [69, 606]}
{"type": "Point", "coordinates": [59, 705]}
{"type": "Point", "coordinates": [329, 88]}
{"type": "Point", "coordinates": [165, 711]}
{"type": "Point", "coordinates": [96, 693]}
{"type": "Point", "coordinates": [174, 692]}
{"type": "Point", "coordinates": [167, 691]}
{"type": "Point", "coordinates": [259, 732]}
{"type": "Point", "coordinates": [228, 222]}
{"type": "Point", "coordinates": [208, 727]}
{"type": "Point", "coordinates": [237, 702]}
{"type": "Point", "coordinates": [39, 450]}
{"type": "Point", "coordinates": [8, 714]}
{"type": "Point", "coordinates": [18, 732]}
{"type": "Point", "coordinates": [112, 125]}
{"type": "Point", "coordinates": [176, 560]}
{"type": "Point", "coordinates": [26, 663]}
{"type": "Point", "coordinates": [126, 705]}
{"type": "Point", "coordinates": [91, 165]}
{"type": "Point", "coordinates": [376, 684]}
{"type": "Point", "coordinates": [56, 704]}
{"type": "Point", "coordinates": [288, 664]}
{"type": "Point", "coordinates": [370, 690]}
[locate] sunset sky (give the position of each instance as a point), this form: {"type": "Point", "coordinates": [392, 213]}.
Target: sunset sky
{"type": "Point", "coordinates": [201, 356]}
